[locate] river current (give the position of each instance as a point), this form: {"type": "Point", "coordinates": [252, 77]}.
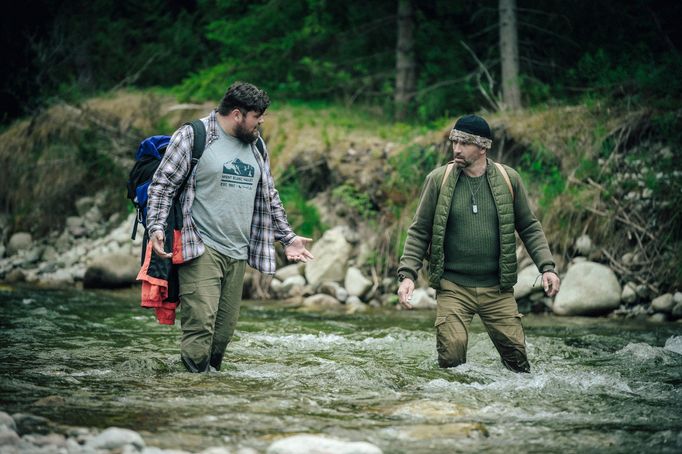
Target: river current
{"type": "Point", "coordinates": [96, 359]}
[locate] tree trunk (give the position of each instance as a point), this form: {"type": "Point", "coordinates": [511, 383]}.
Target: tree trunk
{"type": "Point", "coordinates": [405, 60]}
{"type": "Point", "coordinates": [509, 55]}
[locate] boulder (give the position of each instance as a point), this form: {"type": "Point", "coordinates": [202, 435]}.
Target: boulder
{"type": "Point", "coordinates": [8, 437]}
{"type": "Point", "coordinates": [658, 317]}
{"type": "Point", "coordinates": [7, 421]}
{"type": "Point", "coordinates": [527, 282]}
{"type": "Point", "coordinates": [27, 423]}
{"type": "Point", "coordinates": [93, 215]}
{"type": "Point", "coordinates": [116, 438]}
{"type": "Point", "coordinates": [422, 300]}
{"type": "Point", "coordinates": [222, 450]}
{"type": "Point", "coordinates": [677, 311]}
{"type": "Point", "coordinates": [629, 295]}
{"type": "Point", "coordinates": [75, 225]}
{"type": "Point", "coordinates": [289, 271]}
{"type": "Point", "coordinates": [331, 257]}
{"type": "Point", "coordinates": [356, 283]}
{"type": "Point", "coordinates": [57, 278]}
{"type": "Point", "coordinates": [32, 255]}
{"type": "Point", "coordinates": [52, 441]}
{"type": "Point", "coordinates": [389, 284]}
{"type": "Point", "coordinates": [321, 301]}
{"type": "Point", "coordinates": [49, 254]}
{"type": "Point", "coordinates": [111, 271]}
{"type": "Point", "coordinates": [293, 285]}
{"type": "Point", "coordinates": [677, 297]}
{"type": "Point", "coordinates": [356, 306]}
{"type": "Point", "coordinates": [588, 288]}
{"type": "Point", "coordinates": [353, 300]}
{"type": "Point", "coordinates": [15, 275]}
{"type": "Point", "coordinates": [84, 204]}
{"type": "Point", "coordinates": [583, 245]}
{"type": "Point", "coordinates": [20, 241]}
{"type": "Point", "coordinates": [643, 292]}
{"type": "Point", "coordinates": [335, 290]}
{"type": "Point", "coordinates": [663, 303]}
{"type": "Point", "coordinates": [275, 286]}
{"type": "Point", "coordinates": [318, 444]}
{"type": "Point", "coordinates": [627, 258]}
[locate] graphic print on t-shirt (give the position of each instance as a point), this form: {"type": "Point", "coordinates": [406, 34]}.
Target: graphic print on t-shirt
{"type": "Point", "coordinates": [237, 174]}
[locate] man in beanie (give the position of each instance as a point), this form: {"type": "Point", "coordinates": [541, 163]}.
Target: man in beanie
{"type": "Point", "coordinates": [467, 215]}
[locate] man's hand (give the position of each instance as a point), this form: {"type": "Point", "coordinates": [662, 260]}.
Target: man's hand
{"type": "Point", "coordinates": [297, 250]}
{"type": "Point", "coordinates": [157, 245]}
{"type": "Point", "coordinates": [405, 292]}
{"type": "Point", "coordinates": [551, 283]}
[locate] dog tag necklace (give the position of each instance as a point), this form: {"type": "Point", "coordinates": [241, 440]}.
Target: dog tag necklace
{"type": "Point", "coordinates": [474, 205]}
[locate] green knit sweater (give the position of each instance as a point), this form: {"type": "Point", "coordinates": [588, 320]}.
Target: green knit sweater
{"type": "Point", "coordinates": [472, 240]}
{"type": "Point", "coordinates": [428, 229]}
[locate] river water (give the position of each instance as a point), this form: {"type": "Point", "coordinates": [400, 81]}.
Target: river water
{"type": "Point", "coordinates": [597, 384]}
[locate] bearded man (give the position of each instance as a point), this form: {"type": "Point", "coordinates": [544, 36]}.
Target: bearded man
{"type": "Point", "coordinates": [231, 216]}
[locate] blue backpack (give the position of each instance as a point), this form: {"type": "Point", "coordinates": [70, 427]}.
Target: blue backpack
{"type": "Point", "coordinates": [147, 160]}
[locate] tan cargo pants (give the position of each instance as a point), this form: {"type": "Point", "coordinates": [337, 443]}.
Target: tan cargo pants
{"type": "Point", "coordinates": [499, 314]}
{"type": "Point", "coordinates": [210, 297]}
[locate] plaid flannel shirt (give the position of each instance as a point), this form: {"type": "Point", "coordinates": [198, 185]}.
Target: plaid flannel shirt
{"type": "Point", "coordinates": [269, 222]}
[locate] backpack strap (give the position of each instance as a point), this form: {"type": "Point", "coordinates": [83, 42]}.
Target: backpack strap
{"type": "Point", "coordinates": [198, 146]}
{"type": "Point", "coordinates": [448, 169]}
{"type": "Point", "coordinates": [199, 142]}
{"type": "Point", "coordinates": [505, 175]}
{"type": "Point", "coordinates": [499, 166]}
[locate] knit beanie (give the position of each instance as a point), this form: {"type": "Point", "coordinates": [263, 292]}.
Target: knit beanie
{"type": "Point", "coordinates": [472, 129]}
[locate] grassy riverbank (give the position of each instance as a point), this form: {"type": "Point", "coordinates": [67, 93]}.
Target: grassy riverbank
{"type": "Point", "coordinates": [597, 168]}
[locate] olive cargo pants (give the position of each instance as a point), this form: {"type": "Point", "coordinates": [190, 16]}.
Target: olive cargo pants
{"type": "Point", "coordinates": [499, 314]}
{"type": "Point", "coordinates": [210, 296]}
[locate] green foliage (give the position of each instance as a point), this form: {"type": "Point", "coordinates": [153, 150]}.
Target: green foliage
{"type": "Point", "coordinates": [409, 168]}
{"type": "Point", "coordinates": [343, 51]}
{"type": "Point", "coordinates": [536, 91]}
{"type": "Point", "coordinates": [636, 74]}
{"type": "Point", "coordinates": [303, 216]}
{"type": "Point", "coordinates": [85, 47]}
{"type": "Point", "coordinates": [209, 83]}
{"type": "Point", "coordinates": [358, 202]}
{"type": "Point", "coordinates": [45, 178]}
{"type": "Point", "coordinates": [543, 170]}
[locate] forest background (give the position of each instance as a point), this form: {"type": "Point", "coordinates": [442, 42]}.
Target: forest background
{"type": "Point", "coordinates": [590, 113]}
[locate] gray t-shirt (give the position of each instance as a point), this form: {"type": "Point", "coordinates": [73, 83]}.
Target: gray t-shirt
{"type": "Point", "coordinates": [227, 178]}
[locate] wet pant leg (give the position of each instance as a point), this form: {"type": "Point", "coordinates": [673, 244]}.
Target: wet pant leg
{"type": "Point", "coordinates": [209, 303]}
{"type": "Point", "coordinates": [228, 309]}
{"type": "Point", "coordinates": [456, 307]}
{"type": "Point", "coordinates": [501, 318]}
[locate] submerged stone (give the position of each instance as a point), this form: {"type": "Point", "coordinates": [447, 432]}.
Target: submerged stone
{"type": "Point", "coordinates": [115, 438]}
{"type": "Point", "coordinates": [317, 444]}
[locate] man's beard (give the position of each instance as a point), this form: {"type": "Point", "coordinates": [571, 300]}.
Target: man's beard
{"type": "Point", "coordinates": [244, 134]}
{"type": "Point", "coordinates": [464, 164]}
